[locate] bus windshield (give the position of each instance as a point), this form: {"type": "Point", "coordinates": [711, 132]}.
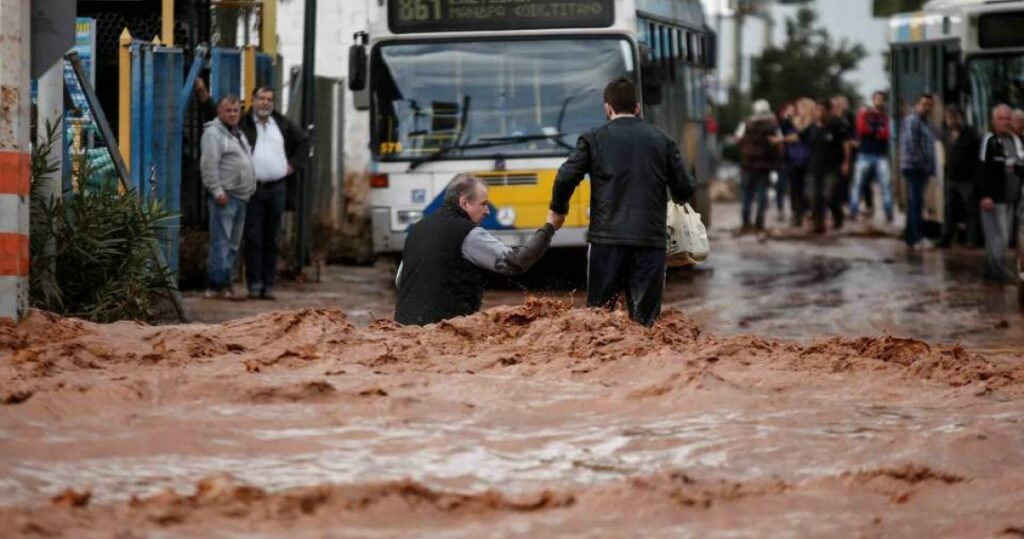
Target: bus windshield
{"type": "Point", "coordinates": [994, 80]}
{"type": "Point", "coordinates": [488, 98]}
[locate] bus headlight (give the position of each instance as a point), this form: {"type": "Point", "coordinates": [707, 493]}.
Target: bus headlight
{"type": "Point", "coordinates": [409, 217]}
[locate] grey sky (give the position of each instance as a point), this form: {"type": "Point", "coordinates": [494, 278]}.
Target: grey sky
{"type": "Point", "coordinates": [850, 19]}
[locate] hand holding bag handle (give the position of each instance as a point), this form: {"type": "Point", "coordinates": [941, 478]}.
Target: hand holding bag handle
{"type": "Point", "coordinates": [687, 236]}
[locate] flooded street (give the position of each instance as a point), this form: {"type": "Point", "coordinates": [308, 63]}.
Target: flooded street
{"type": "Point", "coordinates": [835, 387]}
{"type": "Point", "coordinates": [858, 283]}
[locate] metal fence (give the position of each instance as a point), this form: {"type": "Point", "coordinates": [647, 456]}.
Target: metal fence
{"type": "Point", "coordinates": [225, 72]}
{"type": "Point", "coordinates": [157, 74]}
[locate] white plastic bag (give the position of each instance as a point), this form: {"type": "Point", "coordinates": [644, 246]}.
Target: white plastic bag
{"type": "Point", "coordinates": [687, 237]}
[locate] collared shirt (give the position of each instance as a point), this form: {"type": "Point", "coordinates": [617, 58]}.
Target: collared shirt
{"type": "Point", "coordinates": [917, 145]}
{"type": "Point", "coordinates": [268, 155]}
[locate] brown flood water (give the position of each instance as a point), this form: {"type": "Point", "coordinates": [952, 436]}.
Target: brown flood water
{"type": "Point", "coordinates": [533, 420]}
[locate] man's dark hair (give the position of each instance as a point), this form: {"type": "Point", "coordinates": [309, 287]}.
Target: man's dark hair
{"type": "Point", "coordinates": [620, 94]}
{"type": "Point", "coordinates": [825, 102]}
{"type": "Point", "coordinates": [462, 185]}
{"type": "Point", "coordinates": [925, 95]}
{"type": "Point", "coordinates": [263, 89]}
{"type": "Point", "coordinates": [882, 93]}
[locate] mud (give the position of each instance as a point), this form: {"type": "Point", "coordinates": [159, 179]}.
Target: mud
{"type": "Point", "coordinates": [532, 420]}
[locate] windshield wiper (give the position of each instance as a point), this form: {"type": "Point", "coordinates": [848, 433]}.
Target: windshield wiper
{"type": "Point", "coordinates": [513, 139]}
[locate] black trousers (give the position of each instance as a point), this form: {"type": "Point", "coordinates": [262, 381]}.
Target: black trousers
{"type": "Point", "coordinates": [262, 222]}
{"type": "Point", "coordinates": [826, 192]}
{"type": "Point", "coordinates": [638, 271]}
{"type": "Point", "coordinates": [961, 207]}
{"type": "Point", "coordinates": [797, 192]}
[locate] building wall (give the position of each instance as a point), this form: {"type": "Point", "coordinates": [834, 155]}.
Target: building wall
{"type": "Point", "coordinates": [336, 22]}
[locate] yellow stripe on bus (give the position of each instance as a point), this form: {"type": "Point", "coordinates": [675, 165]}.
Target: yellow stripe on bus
{"type": "Point", "coordinates": [530, 202]}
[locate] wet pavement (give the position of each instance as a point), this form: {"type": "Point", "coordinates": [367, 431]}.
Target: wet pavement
{"type": "Point", "coordinates": [861, 282]}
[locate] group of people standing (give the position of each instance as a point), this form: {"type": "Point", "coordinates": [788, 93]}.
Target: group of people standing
{"type": "Point", "coordinates": [825, 159]}
{"type": "Point", "coordinates": [247, 160]}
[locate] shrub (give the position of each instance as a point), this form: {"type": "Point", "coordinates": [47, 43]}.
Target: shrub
{"type": "Point", "coordinates": [92, 252]}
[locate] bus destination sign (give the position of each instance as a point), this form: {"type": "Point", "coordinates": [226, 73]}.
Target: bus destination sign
{"type": "Point", "coordinates": [409, 16]}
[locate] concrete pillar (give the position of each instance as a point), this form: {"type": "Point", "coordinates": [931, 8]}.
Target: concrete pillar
{"type": "Point", "coordinates": [14, 158]}
{"type": "Point", "coordinates": [50, 109]}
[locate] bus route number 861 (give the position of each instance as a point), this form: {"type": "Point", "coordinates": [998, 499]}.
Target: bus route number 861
{"type": "Point", "coordinates": [419, 10]}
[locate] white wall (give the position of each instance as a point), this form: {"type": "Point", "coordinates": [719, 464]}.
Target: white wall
{"type": "Point", "coordinates": [337, 20]}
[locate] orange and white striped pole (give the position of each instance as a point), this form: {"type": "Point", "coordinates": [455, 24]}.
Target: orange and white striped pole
{"type": "Point", "coordinates": [15, 160]}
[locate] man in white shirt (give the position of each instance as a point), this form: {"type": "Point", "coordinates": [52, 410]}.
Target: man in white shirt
{"type": "Point", "coordinates": [279, 147]}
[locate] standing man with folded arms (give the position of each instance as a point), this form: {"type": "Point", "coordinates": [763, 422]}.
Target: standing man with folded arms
{"type": "Point", "coordinates": [633, 167]}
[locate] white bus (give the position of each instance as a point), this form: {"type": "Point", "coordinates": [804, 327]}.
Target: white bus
{"type": "Point", "coordinates": [503, 88]}
{"type": "Point", "coordinates": [964, 52]}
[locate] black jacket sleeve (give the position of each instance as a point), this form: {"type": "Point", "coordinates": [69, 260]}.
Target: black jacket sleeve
{"type": "Point", "coordinates": [570, 174]}
{"type": "Point", "coordinates": [680, 183]}
{"type": "Point", "coordinates": [297, 142]}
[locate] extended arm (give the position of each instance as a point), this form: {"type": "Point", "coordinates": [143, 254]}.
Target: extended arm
{"type": "Point", "coordinates": [680, 183]}
{"type": "Point", "coordinates": [485, 251]}
{"type": "Point", "coordinates": [570, 174]}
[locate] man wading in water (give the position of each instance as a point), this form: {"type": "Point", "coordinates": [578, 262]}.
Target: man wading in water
{"type": "Point", "coordinates": [442, 270]}
{"type": "Point", "coordinates": [632, 168]}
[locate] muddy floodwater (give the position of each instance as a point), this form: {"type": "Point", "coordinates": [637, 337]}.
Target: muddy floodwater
{"type": "Point", "coordinates": [841, 388]}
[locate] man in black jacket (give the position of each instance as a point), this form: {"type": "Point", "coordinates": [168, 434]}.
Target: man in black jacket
{"type": "Point", "coordinates": [999, 187]}
{"type": "Point", "coordinates": [961, 143]}
{"type": "Point", "coordinates": [279, 147]}
{"type": "Point", "coordinates": [631, 166]}
{"type": "Point", "coordinates": [829, 140]}
{"type": "Point", "coordinates": [446, 253]}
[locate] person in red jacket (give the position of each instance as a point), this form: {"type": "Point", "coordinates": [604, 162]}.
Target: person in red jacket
{"type": "Point", "coordinates": [873, 155]}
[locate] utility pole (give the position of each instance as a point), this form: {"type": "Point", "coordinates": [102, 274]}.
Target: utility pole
{"type": "Point", "coordinates": [718, 49]}
{"type": "Point", "coordinates": [739, 14]}
{"type": "Point", "coordinates": [769, 24]}
{"type": "Point", "coordinates": [15, 157]}
{"type": "Point", "coordinates": [308, 119]}
{"type": "Point", "coordinates": [756, 8]}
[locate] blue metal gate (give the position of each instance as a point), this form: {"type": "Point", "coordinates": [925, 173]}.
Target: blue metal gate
{"type": "Point", "coordinates": [157, 77]}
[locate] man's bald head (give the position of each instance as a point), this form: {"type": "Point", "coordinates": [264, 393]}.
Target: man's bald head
{"type": "Point", "coordinates": [229, 110]}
